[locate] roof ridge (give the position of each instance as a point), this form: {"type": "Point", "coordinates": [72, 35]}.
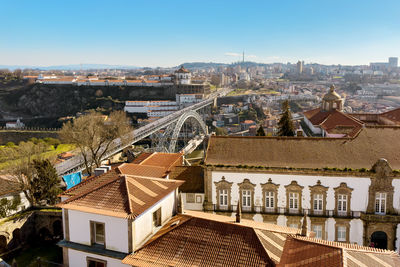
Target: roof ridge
{"type": "Point", "coordinates": [346, 246]}
{"type": "Point", "coordinates": [129, 193]}
{"type": "Point", "coordinates": [152, 178]}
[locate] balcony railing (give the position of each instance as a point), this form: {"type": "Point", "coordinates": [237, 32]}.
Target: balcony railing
{"type": "Point", "coordinates": [286, 211]}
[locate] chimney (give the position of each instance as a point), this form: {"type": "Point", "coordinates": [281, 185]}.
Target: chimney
{"type": "Point", "coordinates": [238, 211]}
{"type": "Point", "coordinates": [304, 226]}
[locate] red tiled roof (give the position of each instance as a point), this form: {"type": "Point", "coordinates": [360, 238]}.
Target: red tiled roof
{"type": "Point", "coordinates": [305, 251]}
{"type": "Point", "coordinates": [362, 151]}
{"type": "Point", "coordinates": [302, 253]}
{"type": "Point", "coordinates": [166, 160]}
{"type": "Point", "coordinates": [91, 182]}
{"type": "Point", "coordinates": [142, 170]}
{"type": "Point", "coordinates": [141, 157]}
{"type": "Point", "coordinates": [122, 196]}
{"type": "Point", "coordinates": [339, 122]}
{"type": "Point", "coordinates": [393, 115]}
{"type": "Point", "coordinates": [191, 241]}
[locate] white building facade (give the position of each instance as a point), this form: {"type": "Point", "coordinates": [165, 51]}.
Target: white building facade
{"type": "Point", "coordinates": [356, 208]}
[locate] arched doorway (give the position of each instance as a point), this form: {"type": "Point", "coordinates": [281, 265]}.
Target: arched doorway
{"type": "Point", "coordinates": [379, 240]}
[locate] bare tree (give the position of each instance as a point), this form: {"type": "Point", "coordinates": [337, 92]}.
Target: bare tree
{"type": "Point", "coordinates": [95, 135]}
{"type": "Point", "coordinates": [20, 165]}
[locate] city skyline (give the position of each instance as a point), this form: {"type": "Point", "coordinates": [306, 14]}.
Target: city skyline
{"type": "Point", "coordinates": [166, 34]}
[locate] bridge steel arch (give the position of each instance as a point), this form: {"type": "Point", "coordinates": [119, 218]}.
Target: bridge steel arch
{"type": "Point", "coordinates": [178, 126]}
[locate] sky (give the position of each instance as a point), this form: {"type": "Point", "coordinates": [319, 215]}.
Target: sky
{"type": "Point", "coordinates": [168, 33]}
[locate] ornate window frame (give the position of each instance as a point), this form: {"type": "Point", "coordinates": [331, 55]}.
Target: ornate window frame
{"type": "Point", "coordinates": [247, 185]}
{"type": "Point", "coordinates": [294, 187]}
{"type": "Point", "coordinates": [342, 223]}
{"type": "Point", "coordinates": [381, 182]}
{"type": "Point", "coordinates": [270, 187]}
{"type": "Point", "coordinates": [343, 189]}
{"type": "Point", "coordinates": [293, 220]}
{"type": "Point", "coordinates": [318, 189]}
{"type": "Point", "coordinates": [319, 221]}
{"type": "Point", "coordinates": [223, 185]}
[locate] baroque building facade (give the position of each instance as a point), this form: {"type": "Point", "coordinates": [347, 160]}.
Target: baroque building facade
{"type": "Point", "coordinates": [345, 186]}
{"type": "Point", "coordinates": [351, 207]}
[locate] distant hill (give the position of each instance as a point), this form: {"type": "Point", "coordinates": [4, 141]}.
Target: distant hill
{"type": "Point", "coordinates": [202, 65]}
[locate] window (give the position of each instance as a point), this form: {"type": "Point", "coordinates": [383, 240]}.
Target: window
{"type": "Point", "coordinates": [293, 201]}
{"type": "Point", "coordinates": [97, 233]}
{"type": "Point", "coordinates": [380, 203]}
{"type": "Point", "coordinates": [269, 199]}
{"type": "Point", "coordinates": [199, 199]}
{"type": "Point", "coordinates": [190, 198]}
{"type": "Point", "coordinates": [318, 203]}
{"type": "Point", "coordinates": [342, 204]}
{"type": "Point", "coordinates": [341, 233]}
{"type": "Point", "coordinates": [317, 229]}
{"type": "Point", "coordinates": [246, 198]}
{"type": "Point", "coordinates": [223, 197]}
{"type": "Point", "coordinates": [95, 262]}
{"type": "Point", "coordinates": [157, 218]}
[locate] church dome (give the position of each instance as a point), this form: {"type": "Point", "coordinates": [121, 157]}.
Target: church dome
{"type": "Point", "coordinates": [332, 95]}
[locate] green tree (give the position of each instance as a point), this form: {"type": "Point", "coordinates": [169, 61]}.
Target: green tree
{"type": "Point", "coordinates": [260, 131]}
{"type": "Point", "coordinates": [20, 165]}
{"type": "Point", "coordinates": [45, 182]}
{"type": "Point", "coordinates": [285, 123]}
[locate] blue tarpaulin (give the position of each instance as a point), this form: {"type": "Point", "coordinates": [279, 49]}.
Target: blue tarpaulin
{"type": "Point", "coordinates": [72, 179]}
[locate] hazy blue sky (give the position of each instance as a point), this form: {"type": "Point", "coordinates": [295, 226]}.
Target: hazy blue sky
{"type": "Point", "coordinates": [167, 33]}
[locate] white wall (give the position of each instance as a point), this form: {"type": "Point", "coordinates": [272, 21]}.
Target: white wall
{"type": "Point", "coordinates": [78, 259]}
{"type": "Point", "coordinates": [193, 206]}
{"type": "Point", "coordinates": [359, 196]}
{"type": "Point", "coordinates": [143, 225]}
{"type": "Point", "coordinates": [116, 229]}
{"type": "Point", "coordinates": [396, 195]}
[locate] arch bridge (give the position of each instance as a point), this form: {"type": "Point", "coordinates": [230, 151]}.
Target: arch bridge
{"type": "Point", "coordinates": [166, 133]}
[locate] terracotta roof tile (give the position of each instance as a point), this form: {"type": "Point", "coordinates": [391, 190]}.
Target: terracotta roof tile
{"type": "Point", "coordinates": [91, 182]}
{"type": "Point", "coordinates": [122, 196]}
{"type": "Point", "coordinates": [142, 170]}
{"type": "Point", "coordinates": [393, 115]}
{"type": "Point", "coordinates": [166, 160]}
{"type": "Point", "coordinates": [141, 157]}
{"type": "Point", "coordinates": [201, 242]}
{"type": "Point", "coordinates": [302, 253]}
{"type": "Point", "coordinates": [362, 151]}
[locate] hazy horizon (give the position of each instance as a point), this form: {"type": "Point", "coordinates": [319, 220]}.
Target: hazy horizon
{"type": "Point", "coordinates": [169, 33]}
